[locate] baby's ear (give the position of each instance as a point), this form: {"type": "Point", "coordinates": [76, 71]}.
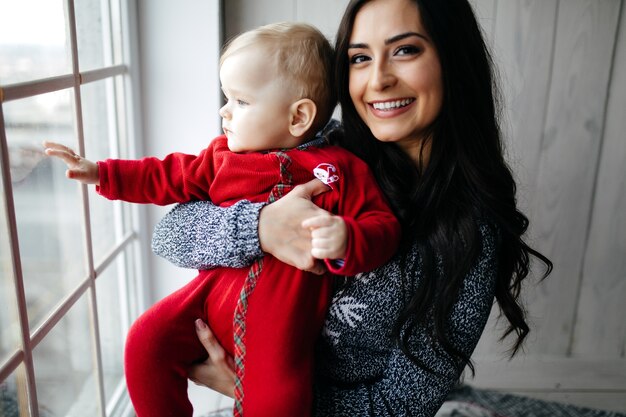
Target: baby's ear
{"type": "Point", "coordinates": [302, 115]}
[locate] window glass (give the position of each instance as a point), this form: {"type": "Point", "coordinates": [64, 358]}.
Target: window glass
{"type": "Point", "coordinates": [9, 321]}
{"type": "Point", "coordinates": [64, 367]}
{"type": "Point", "coordinates": [93, 47]}
{"type": "Point", "coordinates": [100, 138]}
{"type": "Point", "coordinates": [13, 395]}
{"type": "Point", "coordinates": [117, 31]}
{"type": "Point", "coordinates": [109, 219]}
{"type": "Point", "coordinates": [33, 40]}
{"type": "Point", "coordinates": [113, 324]}
{"type": "Point", "coordinates": [48, 207]}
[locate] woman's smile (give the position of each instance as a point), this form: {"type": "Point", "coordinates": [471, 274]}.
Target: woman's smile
{"type": "Point", "coordinates": [395, 79]}
{"type": "Point", "coordinates": [391, 108]}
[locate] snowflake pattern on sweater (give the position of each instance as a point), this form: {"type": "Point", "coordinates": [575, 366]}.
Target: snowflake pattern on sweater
{"type": "Point", "coordinates": [343, 311]}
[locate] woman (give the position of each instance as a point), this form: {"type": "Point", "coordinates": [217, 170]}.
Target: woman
{"type": "Point", "coordinates": [416, 90]}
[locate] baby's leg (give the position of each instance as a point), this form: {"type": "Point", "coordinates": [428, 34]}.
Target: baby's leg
{"type": "Point", "coordinates": [285, 316]}
{"type": "Point", "coordinates": [160, 347]}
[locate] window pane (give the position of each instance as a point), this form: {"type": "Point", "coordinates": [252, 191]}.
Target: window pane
{"type": "Point", "coordinates": [9, 322]}
{"type": "Point", "coordinates": [117, 31]}
{"type": "Point", "coordinates": [33, 40]}
{"type": "Point", "coordinates": [93, 47]}
{"type": "Point", "coordinates": [99, 126]}
{"type": "Point", "coordinates": [112, 296]}
{"type": "Point", "coordinates": [13, 395]}
{"type": "Point", "coordinates": [64, 367]}
{"type": "Point", "coordinates": [101, 141]}
{"type": "Point", "coordinates": [47, 205]}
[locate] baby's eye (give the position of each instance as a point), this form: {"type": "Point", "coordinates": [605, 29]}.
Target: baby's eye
{"type": "Point", "coordinates": [241, 102]}
{"type": "Point", "coordinates": [358, 59]}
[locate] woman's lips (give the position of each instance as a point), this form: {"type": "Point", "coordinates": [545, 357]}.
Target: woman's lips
{"type": "Point", "coordinates": [391, 108]}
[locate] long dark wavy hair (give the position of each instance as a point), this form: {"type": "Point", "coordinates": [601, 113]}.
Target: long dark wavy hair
{"type": "Point", "coordinates": [466, 178]}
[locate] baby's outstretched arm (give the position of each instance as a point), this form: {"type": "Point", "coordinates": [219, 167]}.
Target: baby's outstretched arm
{"type": "Point", "coordinates": [78, 168]}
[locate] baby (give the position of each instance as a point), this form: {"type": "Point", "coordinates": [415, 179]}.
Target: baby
{"type": "Point", "coordinates": [277, 83]}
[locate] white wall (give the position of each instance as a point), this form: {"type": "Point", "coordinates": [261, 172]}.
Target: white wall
{"type": "Point", "coordinates": [179, 49]}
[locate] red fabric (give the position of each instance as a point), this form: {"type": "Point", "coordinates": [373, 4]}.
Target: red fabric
{"type": "Point", "coordinates": [287, 308]}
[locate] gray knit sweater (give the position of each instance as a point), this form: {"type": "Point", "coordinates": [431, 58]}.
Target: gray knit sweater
{"type": "Point", "coordinates": [360, 370]}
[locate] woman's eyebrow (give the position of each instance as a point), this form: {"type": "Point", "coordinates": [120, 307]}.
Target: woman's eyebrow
{"type": "Point", "coordinates": [358, 46]}
{"type": "Point", "coordinates": [405, 35]}
{"type": "Point", "coordinates": [391, 40]}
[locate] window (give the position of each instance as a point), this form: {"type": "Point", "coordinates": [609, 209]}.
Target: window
{"type": "Point", "coordinates": [69, 260]}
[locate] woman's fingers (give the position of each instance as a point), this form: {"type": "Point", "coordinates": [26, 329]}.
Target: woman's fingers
{"type": "Point", "coordinates": [216, 352]}
{"type": "Point", "coordinates": [280, 226]}
{"type": "Point", "coordinates": [218, 371]}
{"type": "Point", "coordinates": [310, 189]}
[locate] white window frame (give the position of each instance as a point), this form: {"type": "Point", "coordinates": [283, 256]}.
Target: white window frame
{"type": "Point", "coordinates": [119, 405]}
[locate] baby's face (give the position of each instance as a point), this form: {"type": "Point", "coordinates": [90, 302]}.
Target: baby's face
{"type": "Point", "coordinates": [256, 114]}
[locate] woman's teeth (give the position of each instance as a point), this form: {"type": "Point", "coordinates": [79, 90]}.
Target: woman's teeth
{"type": "Point", "coordinates": [390, 105]}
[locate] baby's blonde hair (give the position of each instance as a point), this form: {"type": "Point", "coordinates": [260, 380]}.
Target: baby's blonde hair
{"type": "Point", "coordinates": [301, 55]}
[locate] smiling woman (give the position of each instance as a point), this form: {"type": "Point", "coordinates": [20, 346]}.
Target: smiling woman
{"type": "Point", "coordinates": [395, 75]}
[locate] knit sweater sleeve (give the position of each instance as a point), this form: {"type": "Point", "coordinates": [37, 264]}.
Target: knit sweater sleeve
{"type": "Point", "coordinates": [397, 386]}
{"type": "Point", "coordinates": [200, 235]}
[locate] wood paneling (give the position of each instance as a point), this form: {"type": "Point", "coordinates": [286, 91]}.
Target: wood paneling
{"type": "Point", "coordinates": [485, 11]}
{"type": "Point", "coordinates": [522, 47]}
{"type": "Point", "coordinates": [596, 382]}
{"type": "Point", "coordinates": [553, 373]}
{"type": "Point", "coordinates": [567, 166]}
{"type": "Point", "coordinates": [602, 400]}
{"type": "Point", "coordinates": [601, 320]}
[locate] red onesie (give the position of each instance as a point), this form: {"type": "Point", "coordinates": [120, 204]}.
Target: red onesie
{"type": "Point", "coordinates": [274, 311]}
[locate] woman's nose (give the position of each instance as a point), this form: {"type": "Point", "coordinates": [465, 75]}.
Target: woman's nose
{"type": "Point", "coordinates": [382, 76]}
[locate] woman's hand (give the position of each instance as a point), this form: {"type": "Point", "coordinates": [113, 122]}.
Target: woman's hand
{"type": "Point", "coordinates": [282, 233]}
{"type": "Point", "coordinates": [218, 371]}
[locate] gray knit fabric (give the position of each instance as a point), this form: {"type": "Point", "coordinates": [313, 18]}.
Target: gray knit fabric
{"type": "Point", "coordinates": [360, 370]}
{"type": "Point", "coordinates": [191, 235]}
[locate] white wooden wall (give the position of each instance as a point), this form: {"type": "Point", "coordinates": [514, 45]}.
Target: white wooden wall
{"type": "Point", "coordinates": [563, 70]}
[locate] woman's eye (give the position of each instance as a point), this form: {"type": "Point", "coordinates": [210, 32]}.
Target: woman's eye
{"type": "Point", "coordinates": [358, 59]}
{"type": "Point", "coordinates": [408, 50]}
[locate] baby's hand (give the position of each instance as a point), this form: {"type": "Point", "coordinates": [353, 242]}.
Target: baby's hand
{"type": "Point", "coordinates": [329, 236]}
{"type": "Point", "coordinates": [79, 168]}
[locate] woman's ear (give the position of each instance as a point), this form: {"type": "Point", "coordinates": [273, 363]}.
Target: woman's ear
{"type": "Point", "coordinates": [302, 115]}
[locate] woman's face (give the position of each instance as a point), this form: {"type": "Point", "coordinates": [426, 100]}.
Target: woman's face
{"type": "Point", "coordinates": [395, 73]}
